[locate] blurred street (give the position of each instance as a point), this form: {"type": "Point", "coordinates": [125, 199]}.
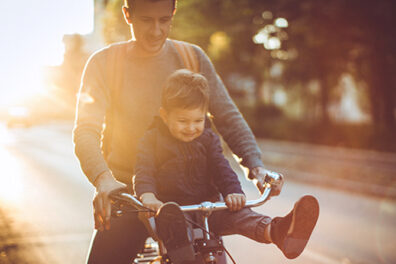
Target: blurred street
{"type": "Point", "coordinates": [46, 211]}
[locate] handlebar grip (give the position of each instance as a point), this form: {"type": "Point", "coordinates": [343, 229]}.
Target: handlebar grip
{"type": "Point", "coordinates": [123, 195]}
{"type": "Point", "coordinates": [272, 177]}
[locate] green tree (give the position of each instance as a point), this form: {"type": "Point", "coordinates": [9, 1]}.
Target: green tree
{"type": "Point", "coordinates": [329, 38]}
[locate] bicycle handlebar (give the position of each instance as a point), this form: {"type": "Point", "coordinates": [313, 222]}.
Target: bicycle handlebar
{"type": "Point", "coordinates": [207, 207]}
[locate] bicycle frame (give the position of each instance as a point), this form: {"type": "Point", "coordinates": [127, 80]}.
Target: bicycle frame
{"type": "Point", "coordinates": [206, 208]}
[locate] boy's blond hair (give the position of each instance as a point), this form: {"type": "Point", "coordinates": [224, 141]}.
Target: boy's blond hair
{"type": "Point", "coordinates": [185, 89]}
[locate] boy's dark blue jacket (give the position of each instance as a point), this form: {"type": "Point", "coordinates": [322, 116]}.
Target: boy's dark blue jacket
{"type": "Point", "coordinates": [183, 172]}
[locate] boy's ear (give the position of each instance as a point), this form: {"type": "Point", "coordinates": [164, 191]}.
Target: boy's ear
{"type": "Point", "coordinates": [163, 114]}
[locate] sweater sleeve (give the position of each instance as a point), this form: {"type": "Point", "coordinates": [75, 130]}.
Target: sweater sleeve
{"type": "Point", "coordinates": [227, 118]}
{"type": "Point", "coordinates": [92, 104]}
{"type": "Point", "coordinates": [224, 177]}
{"type": "Point", "coordinates": [144, 180]}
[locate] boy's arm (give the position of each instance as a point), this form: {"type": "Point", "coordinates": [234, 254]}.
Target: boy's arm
{"type": "Point", "coordinates": [144, 180]}
{"type": "Point", "coordinates": [224, 177]}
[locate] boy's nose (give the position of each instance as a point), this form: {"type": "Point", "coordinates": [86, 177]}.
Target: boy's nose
{"type": "Point", "coordinates": [190, 128]}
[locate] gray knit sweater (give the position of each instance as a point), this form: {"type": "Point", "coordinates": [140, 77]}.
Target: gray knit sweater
{"type": "Point", "coordinates": [138, 100]}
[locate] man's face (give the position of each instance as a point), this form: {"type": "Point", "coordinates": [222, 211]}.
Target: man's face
{"type": "Point", "coordinates": [184, 124]}
{"type": "Point", "coordinates": [151, 21]}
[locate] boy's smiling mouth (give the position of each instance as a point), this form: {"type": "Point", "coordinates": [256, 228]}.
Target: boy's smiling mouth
{"type": "Point", "coordinates": [189, 135]}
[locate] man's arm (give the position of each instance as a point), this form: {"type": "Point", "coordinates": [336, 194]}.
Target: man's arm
{"type": "Point", "coordinates": [227, 118]}
{"type": "Point", "coordinates": [231, 125]}
{"type": "Point", "coordinates": [93, 102]}
{"type": "Point", "coordinates": [92, 105]}
{"type": "Point", "coordinates": [224, 177]}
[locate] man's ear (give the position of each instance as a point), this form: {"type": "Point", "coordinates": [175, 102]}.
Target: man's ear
{"type": "Point", "coordinates": [163, 114]}
{"type": "Point", "coordinates": [127, 15]}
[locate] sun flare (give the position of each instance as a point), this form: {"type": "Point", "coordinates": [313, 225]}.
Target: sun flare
{"type": "Point", "coordinates": [34, 35]}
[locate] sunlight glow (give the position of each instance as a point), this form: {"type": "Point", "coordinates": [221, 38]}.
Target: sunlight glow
{"type": "Point", "coordinates": [272, 35]}
{"type": "Point", "coordinates": [272, 43]}
{"type": "Point", "coordinates": [18, 111]}
{"type": "Point", "coordinates": [86, 98]}
{"type": "Point", "coordinates": [270, 29]}
{"type": "Point", "coordinates": [280, 97]}
{"type": "Point", "coordinates": [32, 34]}
{"type": "Point", "coordinates": [260, 38]}
{"type": "Point", "coordinates": [281, 22]}
{"type": "Point", "coordinates": [267, 15]}
{"type": "Point", "coordinates": [6, 138]}
{"type": "Point", "coordinates": [11, 185]}
{"type": "Point", "coordinates": [280, 54]}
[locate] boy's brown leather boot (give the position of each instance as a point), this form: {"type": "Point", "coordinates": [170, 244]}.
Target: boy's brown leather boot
{"type": "Point", "coordinates": [292, 232]}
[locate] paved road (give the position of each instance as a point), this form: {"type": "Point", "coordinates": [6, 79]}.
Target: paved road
{"type": "Point", "coordinates": [48, 205]}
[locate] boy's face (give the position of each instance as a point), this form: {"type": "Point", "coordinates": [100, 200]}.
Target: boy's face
{"type": "Point", "coordinates": [184, 124]}
{"type": "Point", "coordinates": [151, 22]}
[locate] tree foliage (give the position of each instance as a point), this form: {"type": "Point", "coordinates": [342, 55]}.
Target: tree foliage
{"type": "Point", "coordinates": [345, 36]}
{"type": "Point", "coordinates": [323, 40]}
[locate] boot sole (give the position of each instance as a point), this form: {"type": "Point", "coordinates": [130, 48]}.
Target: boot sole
{"type": "Point", "coordinates": [171, 223]}
{"type": "Point", "coordinates": [305, 216]}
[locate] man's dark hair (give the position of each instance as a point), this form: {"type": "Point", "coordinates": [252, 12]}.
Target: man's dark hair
{"type": "Point", "coordinates": [185, 89]}
{"type": "Point", "coordinates": [129, 4]}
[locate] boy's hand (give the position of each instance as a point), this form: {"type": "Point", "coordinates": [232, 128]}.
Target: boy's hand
{"type": "Point", "coordinates": [235, 201]}
{"type": "Point", "coordinates": [150, 201]}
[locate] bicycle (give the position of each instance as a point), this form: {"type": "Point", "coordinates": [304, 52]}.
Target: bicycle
{"type": "Point", "coordinates": [206, 245]}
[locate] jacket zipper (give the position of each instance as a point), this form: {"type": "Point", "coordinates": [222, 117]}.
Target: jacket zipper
{"type": "Point", "coordinates": [189, 160]}
{"type": "Point", "coordinates": [188, 164]}
{"type": "Point", "coordinates": [185, 155]}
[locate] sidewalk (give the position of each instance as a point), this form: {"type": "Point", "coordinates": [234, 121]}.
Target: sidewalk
{"type": "Point", "coordinates": [360, 171]}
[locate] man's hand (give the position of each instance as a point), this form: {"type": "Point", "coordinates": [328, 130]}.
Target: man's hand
{"type": "Point", "coordinates": [235, 201]}
{"type": "Point", "coordinates": [150, 201]}
{"type": "Point", "coordinates": [260, 173]}
{"type": "Point", "coordinates": [105, 184]}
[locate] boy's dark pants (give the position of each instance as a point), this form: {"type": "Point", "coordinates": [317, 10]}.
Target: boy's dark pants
{"type": "Point", "coordinates": [244, 222]}
{"type": "Point", "coordinates": [127, 234]}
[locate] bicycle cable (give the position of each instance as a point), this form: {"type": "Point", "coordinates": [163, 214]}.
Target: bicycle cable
{"type": "Point", "coordinates": [213, 236]}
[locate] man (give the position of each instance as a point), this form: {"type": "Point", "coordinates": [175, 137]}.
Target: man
{"type": "Point", "coordinates": [126, 114]}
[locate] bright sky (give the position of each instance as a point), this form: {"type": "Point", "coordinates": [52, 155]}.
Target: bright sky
{"type": "Point", "coordinates": [31, 37]}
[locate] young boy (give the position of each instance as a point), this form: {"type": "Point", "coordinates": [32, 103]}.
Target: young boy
{"type": "Point", "coordinates": [180, 162]}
